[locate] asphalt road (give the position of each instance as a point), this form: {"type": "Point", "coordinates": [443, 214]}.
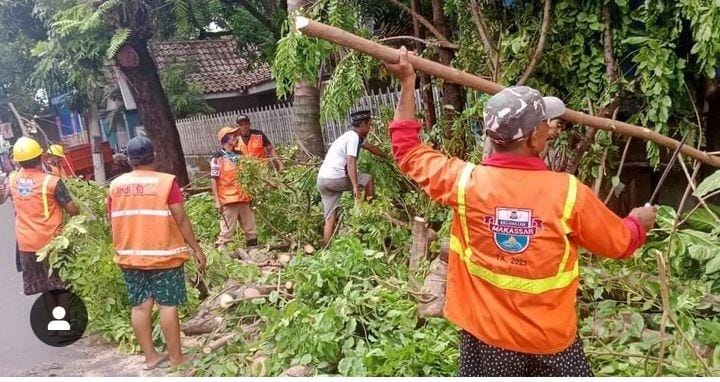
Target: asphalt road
{"type": "Point", "coordinates": [19, 348]}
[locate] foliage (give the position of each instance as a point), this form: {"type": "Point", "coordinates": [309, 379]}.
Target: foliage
{"type": "Point", "coordinates": [346, 86]}
{"type": "Point", "coordinates": [186, 98]}
{"type": "Point", "coordinates": [72, 58]}
{"type": "Point", "coordinates": [256, 38]}
{"type": "Point", "coordinates": [709, 185]}
{"type": "Point", "coordinates": [193, 16]}
{"type": "Point", "coordinates": [351, 317]}
{"type": "Point", "coordinates": [116, 42]}
{"type": "Point", "coordinates": [300, 58]}
{"type": "Point", "coordinates": [21, 31]}
{"type": "Point", "coordinates": [621, 303]}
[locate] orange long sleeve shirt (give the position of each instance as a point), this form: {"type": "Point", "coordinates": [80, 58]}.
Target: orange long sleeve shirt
{"type": "Point", "coordinates": [513, 270]}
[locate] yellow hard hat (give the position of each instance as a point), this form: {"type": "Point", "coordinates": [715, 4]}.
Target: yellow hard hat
{"type": "Point", "coordinates": [56, 150]}
{"type": "Point", "coordinates": [26, 149]}
{"type": "Point", "coordinates": [225, 131]}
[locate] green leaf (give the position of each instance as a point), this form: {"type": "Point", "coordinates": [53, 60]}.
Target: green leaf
{"type": "Point", "coordinates": [708, 185]}
{"type": "Point", "coordinates": [702, 220]}
{"type": "Point", "coordinates": [273, 297]}
{"type": "Point", "coordinates": [116, 42]}
{"type": "Point", "coordinates": [665, 217]}
{"type": "Point", "coordinates": [636, 325]}
{"type": "Point", "coordinates": [345, 365]}
{"type": "Point", "coordinates": [713, 265]}
{"type": "Point", "coordinates": [635, 40]}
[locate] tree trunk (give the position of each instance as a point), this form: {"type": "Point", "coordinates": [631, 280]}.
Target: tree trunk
{"type": "Point", "coordinates": [96, 143]}
{"type": "Point", "coordinates": [420, 244]}
{"type": "Point", "coordinates": [307, 121]}
{"type": "Point", "coordinates": [306, 99]}
{"type": "Point", "coordinates": [712, 124]}
{"type": "Point", "coordinates": [139, 68]}
{"type": "Point", "coordinates": [426, 88]}
{"type": "Point", "coordinates": [453, 98]}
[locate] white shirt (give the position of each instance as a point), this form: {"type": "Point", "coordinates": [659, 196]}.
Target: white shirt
{"type": "Point", "coordinates": [336, 158]}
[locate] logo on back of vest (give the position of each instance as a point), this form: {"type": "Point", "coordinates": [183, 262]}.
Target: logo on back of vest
{"type": "Point", "coordinates": [25, 186]}
{"type": "Point", "coordinates": [513, 228]}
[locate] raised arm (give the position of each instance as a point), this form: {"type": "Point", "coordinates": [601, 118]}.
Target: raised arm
{"type": "Point", "coordinates": [433, 171]}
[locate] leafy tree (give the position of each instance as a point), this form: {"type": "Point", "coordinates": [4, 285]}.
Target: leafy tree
{"type": "Point", "coordinates": [186, 99]}
{"type": "Point", "coordinates": [21, 31]}
{"type": "Point", "coordinates": [125, 29]}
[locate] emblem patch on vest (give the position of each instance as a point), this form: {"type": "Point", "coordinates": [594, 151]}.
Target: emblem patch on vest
{"type": "Point", "coordinates": [513, 228]}
{"type": "Point", "coordinates": [25, 186]}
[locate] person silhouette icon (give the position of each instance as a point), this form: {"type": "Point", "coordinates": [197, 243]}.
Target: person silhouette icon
{"type": "Point", "coordinates": [58, 323]}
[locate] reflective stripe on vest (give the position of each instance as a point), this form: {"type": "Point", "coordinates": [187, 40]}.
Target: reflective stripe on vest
{"type": "Point", "coordinates": [152, 252]}
{"type": "Point", "coordinates": [532, 286]}
{"type": "Point", "coordinates": [145, 234]}
{"type": "Point", "coordinates": [117, 214]}
{"type": "Point", "coordinates": [46, 204]}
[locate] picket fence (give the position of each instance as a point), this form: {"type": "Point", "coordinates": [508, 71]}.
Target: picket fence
{"type": "Point", "coordinates": [198, 134]}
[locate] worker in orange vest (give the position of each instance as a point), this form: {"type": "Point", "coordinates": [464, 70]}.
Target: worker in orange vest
{"type": "Point", "coordinates": [513, 269]}
{"type": "Point", "coordinates": [56, 155]}
{"type": "Point", "coordinates": [255, 143]}
{"type": "Point", "coordinates": [153, 238]}
{"type": "Point", "coordinates": [39, 199]}
{"type": "Point", "coordinates": [232, 202]}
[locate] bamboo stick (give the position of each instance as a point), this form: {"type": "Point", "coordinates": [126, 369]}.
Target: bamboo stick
{"type": "Point", "coordinates": [388, 54]}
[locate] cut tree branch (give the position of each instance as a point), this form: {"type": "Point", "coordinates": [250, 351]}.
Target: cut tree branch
{"type": "Point", "coordinates": [490, 49]}
{"type": "Point", "coordinates": [427, 24]}
{"type": "Point", "coordinates": [540, 45]}
{"type": "Point", "coordinates": [452, 75]}
{"type": "Point", "coordinates": [417, 39]}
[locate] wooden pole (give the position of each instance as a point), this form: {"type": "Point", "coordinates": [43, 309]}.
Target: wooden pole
{"type": "Point", "coordinates": [19, 119]}
{"type": "Point", "coordinates": [388, 54]}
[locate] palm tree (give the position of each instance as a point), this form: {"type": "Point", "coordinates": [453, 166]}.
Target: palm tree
{"type": "Point", "coordinates": [307, 108]}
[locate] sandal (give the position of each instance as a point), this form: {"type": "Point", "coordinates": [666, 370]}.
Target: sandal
{"type": "Point", "coordinates": [162, 363]}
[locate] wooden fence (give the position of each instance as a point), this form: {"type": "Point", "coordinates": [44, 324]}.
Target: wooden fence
{"type": "Point", "coordinates": [198, 134]}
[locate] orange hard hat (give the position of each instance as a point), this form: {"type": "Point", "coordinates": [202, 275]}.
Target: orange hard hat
{"type": "Point", "coordinates": [225, 131]}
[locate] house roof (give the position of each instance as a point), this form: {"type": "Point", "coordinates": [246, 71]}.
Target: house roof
{"type": "Point", "coordinates": [217, 65]}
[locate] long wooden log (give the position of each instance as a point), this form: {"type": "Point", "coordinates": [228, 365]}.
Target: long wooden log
{"type": "Point", "coordinates": [388, 54]}
{"type": "Point", "coordinates": [218, 343]}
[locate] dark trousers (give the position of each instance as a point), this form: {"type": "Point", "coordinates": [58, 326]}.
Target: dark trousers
{"type": "Point", "coordinates": [478, 359]}
{"type": "Point", "coordinates": [18, 264]}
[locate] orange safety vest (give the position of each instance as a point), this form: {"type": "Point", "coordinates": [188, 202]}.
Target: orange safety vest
{"type": "Point", "coordinates": [513, 279]}
{"type": "Point", "coordinates": [253, 148]}
{"type": "Point", "coordinates": [145, 234]}
{"type": "Point", "coordinates": [38, 216]}
{"type": "Point", "coordinates": [229, 191]}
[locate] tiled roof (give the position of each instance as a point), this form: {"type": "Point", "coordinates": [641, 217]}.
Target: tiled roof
{"type": "Point", "coordinates": [218, 67]}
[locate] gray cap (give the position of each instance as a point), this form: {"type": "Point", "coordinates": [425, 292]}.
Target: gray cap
{"type": "Point", "coordinates": [513, 113]}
